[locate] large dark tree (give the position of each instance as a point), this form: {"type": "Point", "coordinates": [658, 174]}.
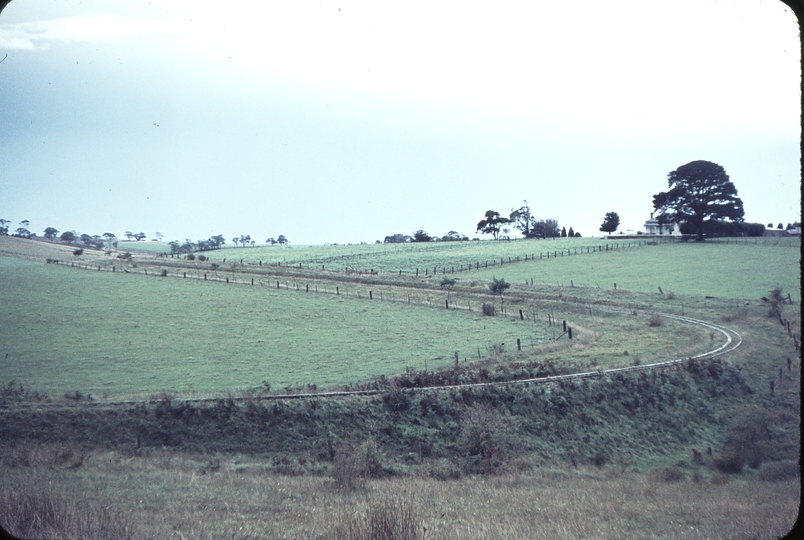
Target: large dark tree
{"type": "Point", "coordinates": [491, 224]}
{"type": "Point", "coordinates": [699, 190]}
{"type": "Point", "coordinates": [610, 222]}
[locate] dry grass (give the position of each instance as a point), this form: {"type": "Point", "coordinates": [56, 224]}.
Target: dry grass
{"type": "Point", "coordinates": [168, 497]}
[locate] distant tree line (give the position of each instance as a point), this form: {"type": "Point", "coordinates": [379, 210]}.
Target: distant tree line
{"type": "Point", "coordinates": [422, 236]}
{"type": "Point", "coordinates": [189, 246]}
{"type": "Point", "coordinates": [525, 222]}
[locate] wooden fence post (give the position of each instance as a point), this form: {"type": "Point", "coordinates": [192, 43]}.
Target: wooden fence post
{"type": "Point", "coordinates": [521, 317]}
{"type": "Point", "coordinates": [518, 344]}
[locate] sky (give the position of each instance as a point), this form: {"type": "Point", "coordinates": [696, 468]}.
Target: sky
{"type": "Point", "coordinates": [345, 122]}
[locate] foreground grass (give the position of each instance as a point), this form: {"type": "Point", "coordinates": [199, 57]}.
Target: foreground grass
{"type": "Point", "coordinates": [169, 496]}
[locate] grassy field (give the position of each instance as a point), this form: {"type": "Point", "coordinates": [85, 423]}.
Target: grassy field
{"type": "Point", "coordinates": [611, 456]}
{"type": "Point", "coordinates": [165, 496]}
{"type": "Point", "coordinates": [115, 335]}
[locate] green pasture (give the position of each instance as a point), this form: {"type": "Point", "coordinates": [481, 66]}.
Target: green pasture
{"type": "Point", "coordinates": [391, 258]}
{"type": "Point", "coordinates": [724, 270]}
{"type": "Point", "coordinates": [114, 334]}
{"type": "Point", "coordinates": [147, 245]}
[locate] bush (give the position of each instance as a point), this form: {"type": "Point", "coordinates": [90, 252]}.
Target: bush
{"type": "Point", "coordinates": [353, 467]}
{"type": "Point", "coordinates": [655, 320]}
{"type": "Point", "coordinates": [78, 252]}
{"type": "Point", "coordinates": [190, 257]}
{"type": "Point", "coordinates": [668, 474]}
{"type": "Point", "coordinates": [779, 471]}
{"type": "Point", "coordinates": [202, 258]}
{"type": "Point", "coordinates": [487, 440]}
{"type": "Point", "coordinates": [390, 519]}
{"type": "Point", "coordinates": [488, 310]}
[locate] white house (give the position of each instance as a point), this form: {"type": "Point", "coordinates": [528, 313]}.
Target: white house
{"type": "Point", "coordinates": [652, 226]}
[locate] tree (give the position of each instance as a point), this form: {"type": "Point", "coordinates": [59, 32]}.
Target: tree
{"type": "Point", "coordinates": [51, 233]}
{"type": "Point", "coordinates": [523, 220]}
{"type": "Point", "coordinates": [271, 241]}
{"type": "Point", "coordinates": [571, 233]}
{"type": "Point", "coordinates": [69, 236]}
{"type": "Point", "coordinates": [398, 238]}
{"type": "Point", "coordinates": [129, 235]}
{"type": "Point", "coordinates": [563, 232]}
{"type": "Point", "coordinates": [421, 236]}
{"type": "Point", "coordinates": [499, 286]}
{"type": "Point", "coordinates": [110, 239]}
{"type": "Point", "coordinates": [235, 240]}
{"type": "Point", "coordinates": [22, 232]}
{"type": "Point", "coordinates": [159, 235]}
{"type": "Point", "coordinates": [780, 227]}
{"type": "Point", "coordinates": [491, 224]}
{"type": "Point", "coordinates": [217, 241]}
{"type": "Point", "coordinates": [282, 240]}
{"type": "Point", "coordinates": [699, 190]}
{"type": "Point", "coordinates": [4, 227]}
{"type": "Point", "coordinates": [610, 222]}
{"type": "Point", "coordinates": [545, 228]}
{"type": "Point", "coordinates": [453, 236]}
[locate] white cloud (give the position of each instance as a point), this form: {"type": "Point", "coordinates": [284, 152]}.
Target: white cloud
{"type": "Point", "coordinates": [40, 35]}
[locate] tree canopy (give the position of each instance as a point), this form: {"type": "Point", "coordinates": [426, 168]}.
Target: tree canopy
{"type": "Point", "coordinates": [699, 190]}
{"type": "Point", "coordinates": [491, 224]}
{"type": "Point", "coordinates": [610, 222]}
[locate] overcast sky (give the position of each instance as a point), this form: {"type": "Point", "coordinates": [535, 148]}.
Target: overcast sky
{"type": "Point", "coordinates": [349, 121]}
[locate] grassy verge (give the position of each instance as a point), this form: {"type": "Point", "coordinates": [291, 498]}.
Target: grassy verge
{"type": "Point", "coordinates": [170, 497]}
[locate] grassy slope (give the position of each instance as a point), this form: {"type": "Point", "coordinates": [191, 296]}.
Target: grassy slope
{"type": "Point", "coordinates": [724, 270]}
{"type": "Point", "coordinates": [116, 334]}
{"type": "Point", "coordinates": [634, 421]}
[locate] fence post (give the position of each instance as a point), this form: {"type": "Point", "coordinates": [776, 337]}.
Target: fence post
{"type": "Point", "coordinates": [446, 303]}
{"type": "Point", "coordinates": [521, 317]}
{"type": "Point", "coordinates": [370, 297]}
{"type": "Point", "coordinates": [518, 344]}
{"type": "Point", "coordinates": [569, 332]}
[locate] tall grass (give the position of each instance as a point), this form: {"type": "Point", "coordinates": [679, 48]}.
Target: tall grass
{"type": "Point", "coordinates": [172, 500]}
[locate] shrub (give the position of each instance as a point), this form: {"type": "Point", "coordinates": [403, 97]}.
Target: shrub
{"type": "Point", "coordinates": [655, 320]}
{"type": "Point", "coordinates": [78, 252]}
{"type": "Point", "coordinates": [353, 467]}
{"type": "Point", "coordinates": [667, 474]}
{"type": "Point", "coordinates": [779, 471]}
{"type": "Point", "coordinates": [389, 519]}
{"type": "Point", "coordinates": [202, 258]}
{"type": "Point", "coordinates": [748, 442]}
{"type": "Point", "coordinates": [489, 310]}
{"type": "Point", "coordinates": [487, 440]}
{"type": "Point", "coordinates": [190, 257]}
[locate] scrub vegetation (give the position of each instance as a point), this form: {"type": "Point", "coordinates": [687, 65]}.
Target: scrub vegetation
{"type": "Point", "coordinates": [703, 448]}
